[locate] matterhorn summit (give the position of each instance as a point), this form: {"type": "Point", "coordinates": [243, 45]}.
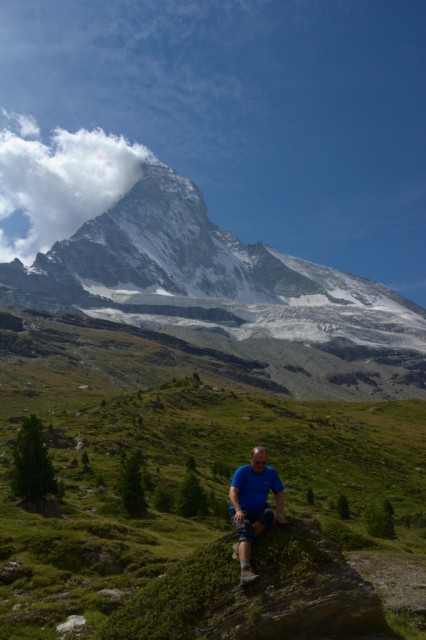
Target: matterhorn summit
{"type": "Point", "coordinates": [155, 260]}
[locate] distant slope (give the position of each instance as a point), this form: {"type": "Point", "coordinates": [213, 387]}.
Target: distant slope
{"type": "Point", "coordinates": [67, 352]}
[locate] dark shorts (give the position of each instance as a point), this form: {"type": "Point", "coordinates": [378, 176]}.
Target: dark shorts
{"type": "Point", "coordinates": [245, 529]}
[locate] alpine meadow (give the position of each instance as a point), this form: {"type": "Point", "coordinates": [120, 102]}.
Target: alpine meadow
{"type": "Point", "coordinates": [94, 568]}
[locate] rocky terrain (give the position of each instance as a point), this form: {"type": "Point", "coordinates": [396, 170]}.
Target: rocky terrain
{"type": "Point", "coordinates": [399, 580]}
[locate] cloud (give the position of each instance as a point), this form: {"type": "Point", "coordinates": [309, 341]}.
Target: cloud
{"type": "Point", "coordinates": [60, 185]}
{"type": "Point", "coordinates": [26, 125]}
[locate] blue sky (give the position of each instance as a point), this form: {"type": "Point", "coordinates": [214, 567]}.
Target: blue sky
{"type": "Point", "coordinates": [302, 121]}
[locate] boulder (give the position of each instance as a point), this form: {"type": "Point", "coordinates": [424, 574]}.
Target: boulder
{"type": "Point", "coordinates": [306, 590]}
{"type": "Point", "coordinates": [336, 603]}
{"type": "Point", "coordinates": [12, 571]}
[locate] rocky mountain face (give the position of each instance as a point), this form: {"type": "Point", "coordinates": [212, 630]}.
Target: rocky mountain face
{"type": "Point", "coordinates": [156, 261]}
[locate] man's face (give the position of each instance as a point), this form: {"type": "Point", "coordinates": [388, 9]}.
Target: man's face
{"type": "Point", "coordinates": [258, 461]}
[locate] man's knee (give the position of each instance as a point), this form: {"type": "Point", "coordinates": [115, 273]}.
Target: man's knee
{"type": "Point", "coordinates": [245, 530]}
{"type": "Point", "coordinates": [244, 536]}
{"type": "Point", "coordinates": [266, 518]}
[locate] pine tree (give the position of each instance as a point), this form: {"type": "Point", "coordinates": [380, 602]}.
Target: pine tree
{"type": "Point", "coordinates": [130, 487]}
{"type": "Point", "coordinates": [343, 507]}
{"type": "Point", "coordinates": [191, 463]}
{"type": "Point", "coordinates": [310, 496]}
{"type": "Point", "coordinates": [388, 507]}
{"type": "Point", "coordinates": [191, 498]}
{"type": "Point", "coordinates": [33, 474]}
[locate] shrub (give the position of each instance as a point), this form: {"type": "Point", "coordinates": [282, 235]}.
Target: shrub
{"type": "Point", "coordinates": [345, 536]}
{"type": "Point", "coordinates": [379, 521]}
{"type": "Point", "coordinates": [163, 498]}
{"type": "Point", "coordinates": [310, 496]}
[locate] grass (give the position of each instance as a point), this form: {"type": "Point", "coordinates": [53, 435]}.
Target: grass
{"type": "Point", "coordinates": [361, 450]}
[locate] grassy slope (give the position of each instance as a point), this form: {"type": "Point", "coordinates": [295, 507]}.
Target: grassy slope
{"type": "Point", "coordinates": [362, 450]}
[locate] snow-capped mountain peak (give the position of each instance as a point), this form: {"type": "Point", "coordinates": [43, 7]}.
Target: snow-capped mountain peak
{"type": "Point", "coordinates": [155, 255]}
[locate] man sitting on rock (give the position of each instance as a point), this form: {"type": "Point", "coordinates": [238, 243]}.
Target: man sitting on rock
{"type": "Point", "coordinates": [250, 513]}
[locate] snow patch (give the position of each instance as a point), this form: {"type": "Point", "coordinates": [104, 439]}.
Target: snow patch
{"type": "Point", "coordinates": [122, 292]}
{"type": "Point", "coordinates": [314, 300]}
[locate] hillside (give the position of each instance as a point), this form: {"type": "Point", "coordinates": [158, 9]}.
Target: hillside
{"type": "Point", "coordinates": [71, 350]}
{"type": "Point", "coordinates": [173, 401]}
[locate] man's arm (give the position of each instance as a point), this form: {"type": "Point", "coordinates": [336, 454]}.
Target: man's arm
{"type": "Point", "coordinates": [234, 498]}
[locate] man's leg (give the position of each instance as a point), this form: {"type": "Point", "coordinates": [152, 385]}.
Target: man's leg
{"type": "Point", "coordinates": [246, 537]}
{"type": "Point", "coordinates": [258, 528]}
{"type": "Point", "coordinates": [244, 547]}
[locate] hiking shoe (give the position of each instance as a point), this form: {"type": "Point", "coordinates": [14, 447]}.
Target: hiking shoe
{"type": "Point", "coordinates": [248, 576]}
{"type": "Point", "coordinates": [235, 551]}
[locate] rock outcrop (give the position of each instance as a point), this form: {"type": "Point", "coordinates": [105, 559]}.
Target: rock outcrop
{"type": "Point", "coordinates": [336, 603]}
{"type": "Point", "coordinates": [306, 590]}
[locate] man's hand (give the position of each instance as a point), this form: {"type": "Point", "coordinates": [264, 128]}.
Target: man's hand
{"type": "Point", "coordinates": [280, 519]}
{"type": "Point", "coordinates": [239, 516]}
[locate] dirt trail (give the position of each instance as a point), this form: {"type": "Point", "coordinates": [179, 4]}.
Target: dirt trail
{"type": "Point", "coordinates": [400, 581]}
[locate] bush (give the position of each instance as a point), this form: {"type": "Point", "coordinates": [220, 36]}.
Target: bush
{"type": "Point", "coordinates": [163, 498]}
{"type": "Point", "coordinates": [345, 536]}
{"type": "Point", "coordinates": [379, 521]}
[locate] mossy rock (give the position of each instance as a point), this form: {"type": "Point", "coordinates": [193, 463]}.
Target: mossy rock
{"type": "Point", "coordinates": [201, 597]}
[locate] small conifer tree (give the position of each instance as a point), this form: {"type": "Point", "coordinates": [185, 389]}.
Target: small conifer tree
{"type": "Point", "coordinates": [130, 487]}
{"type": "Point", "coordinates": [310, 496]}
{"type": "Point", "coordinates": [191, 463]}
{"type": "Point", "coordinates": [33, 474]}
{"type": "Point", "coordinates": [191, 498]}
{"type": "Point", "coordinates": [388, 507]}
{"type": "Point", "coordinates": [343, 507]}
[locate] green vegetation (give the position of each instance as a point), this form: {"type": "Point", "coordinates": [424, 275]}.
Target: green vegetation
{"type": "Point", "coordinates": [180, 603]}
{"type": "Point", "coordinates": [379, 521]}
{"type": "Point", "coordinates": [342, 507]}
{"type": "Point", "coordinates": [130, 487]}
{"type": "Point", "coordinates": [368, 452]}
{"type": "Point", "coordinates": [33, 474]}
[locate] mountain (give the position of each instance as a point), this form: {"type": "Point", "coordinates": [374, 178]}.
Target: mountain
{"type": "Point", "coordinates": [156, 261]}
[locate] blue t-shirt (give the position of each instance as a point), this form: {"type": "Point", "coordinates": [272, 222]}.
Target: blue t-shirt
{"type": "Point", "coordinates": [254, 487]}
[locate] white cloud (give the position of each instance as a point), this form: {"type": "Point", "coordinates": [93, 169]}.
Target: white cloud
{"type": "Point", "coordinates": [60, 185]}
{"type": "Point", "coordinates": [26, 124]}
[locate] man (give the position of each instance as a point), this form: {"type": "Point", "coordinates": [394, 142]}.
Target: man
{"type": "Point", "coordinates": [250, 513]}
